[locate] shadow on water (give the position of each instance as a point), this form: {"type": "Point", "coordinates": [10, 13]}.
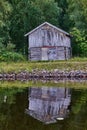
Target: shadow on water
{"type": "Point", "coordinates": [43, 108]}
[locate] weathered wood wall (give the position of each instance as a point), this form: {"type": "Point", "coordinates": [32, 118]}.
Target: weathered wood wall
{"type": "Point", "coordinates": [53, 53]}
{"type": "Point", "coordinates": [48, 36]}
{"type": "Point", "coordinates": [35, 54]}
{"type": "Point", "coordinates": [47, 43]}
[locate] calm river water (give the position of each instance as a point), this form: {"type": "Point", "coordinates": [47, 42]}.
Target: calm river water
{"type": "Point", "coordinates": [43, 108]}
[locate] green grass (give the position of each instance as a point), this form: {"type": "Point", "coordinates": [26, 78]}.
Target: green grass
{"type": "Point", "coordinates": [67, 84]}
{"type": "Point", "coordinates": [79, 59]}
{"type": "Point", "coordinates": [72, 64]}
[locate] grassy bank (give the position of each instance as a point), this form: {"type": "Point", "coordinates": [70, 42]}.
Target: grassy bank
{"type": "Point", "coordinates": [68, 84]}
{"type": "Point", "coordinates": [72, 64]}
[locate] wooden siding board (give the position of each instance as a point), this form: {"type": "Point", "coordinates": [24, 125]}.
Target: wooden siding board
{"type": "Point", "coordinates": [35, 54]}
{"type": "Point", "coordinates": [52, 53]}
{"type": "Point", "coordinates": [60, 53]}
{"type": "Point", "coordinates": [49, 53]}
{"type": "Point", "coordinates": [42, 38]}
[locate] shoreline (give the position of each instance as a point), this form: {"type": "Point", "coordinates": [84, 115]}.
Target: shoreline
{"type": "Point", "coordinates": [44, 75]}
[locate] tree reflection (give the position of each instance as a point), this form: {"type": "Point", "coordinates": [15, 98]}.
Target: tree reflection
{"type": "Point", "coordinates": [45, 104]}
{"type": "Point", "coordinates": [7, 100]}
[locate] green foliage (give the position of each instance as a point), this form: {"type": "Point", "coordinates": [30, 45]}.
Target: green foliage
{"type": "Point", "coordinates": [27, 15]}
{"type": "Point", "coordinates": [11, 56]}
{"type": "Point", "coordinates": [5, 11]}
{"type": "Point", "coordinates": [64, 18]}
{"type": "Point", "coordinates": [78, 13]}
{"type": "Point", "coordinates": [10, 47]}
{"type": "Point", "coordinates": [79, 42]}
{"type": "Point", "coordinates": [50, 10]}
{"type": "Point", "coordinates": [19, 17]}
{"type": "Point", "coordinates": [7, 53]}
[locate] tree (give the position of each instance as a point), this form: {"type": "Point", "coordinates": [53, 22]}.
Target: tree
{"type": "Point", "coordinates": [79, 45]}
{"type": "Point", "coordinates": [78, 16]}
{"type": "Point", "coordinates": [50, 10]}
{"type": "Point", "coordinates": [28, 14]}
{"type": "Point", "coordinates": [5, 11]}
{"type": "Point", "coordinates": [18, 17]}
{"type": "Point", "coordinates": [64, 19]}
{"type": "Point", "coordinates": [25, 16]}
{"type": "Point", "coordinates": [78, 13]}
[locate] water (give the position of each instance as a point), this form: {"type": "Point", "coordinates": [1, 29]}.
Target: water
{"type": "Point", "coordinates": [43, 108]}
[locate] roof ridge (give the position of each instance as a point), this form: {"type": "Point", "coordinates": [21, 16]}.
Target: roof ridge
{"type": "Point", "coordinates": [49, 25]}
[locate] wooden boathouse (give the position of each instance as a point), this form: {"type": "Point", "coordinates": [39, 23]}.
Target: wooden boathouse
{"type": "Point", "coordinates": [48, 42]}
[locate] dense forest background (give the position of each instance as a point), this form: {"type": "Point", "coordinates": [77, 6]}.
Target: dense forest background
{"type": "Point", "coordinates": [18, 17]}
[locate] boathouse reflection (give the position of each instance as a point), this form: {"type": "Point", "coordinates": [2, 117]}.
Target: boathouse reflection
{"type": "Point", "coordinates": [48, 104]}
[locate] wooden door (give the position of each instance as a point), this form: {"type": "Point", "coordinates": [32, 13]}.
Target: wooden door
{"type": "Point", "coordinates": [44, 54]}
{"type": "Point", "coordinates": [52, 54]}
